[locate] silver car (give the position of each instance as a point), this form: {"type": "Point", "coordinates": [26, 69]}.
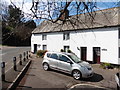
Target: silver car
{"type": "Point", "coordinates": [68, 63]}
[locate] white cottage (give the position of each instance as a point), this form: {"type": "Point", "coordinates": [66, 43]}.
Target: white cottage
{"type": "Point", "coordinates": [95, 39]}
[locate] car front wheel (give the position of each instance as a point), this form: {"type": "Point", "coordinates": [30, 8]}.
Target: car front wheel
{"type": "Point", "coordinates": [45, 66]}
{"type": "Point", "coordinates": [76, 74]}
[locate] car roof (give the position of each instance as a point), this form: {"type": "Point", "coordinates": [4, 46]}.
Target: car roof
{"type": "Point", "coordinates": [65, 53]}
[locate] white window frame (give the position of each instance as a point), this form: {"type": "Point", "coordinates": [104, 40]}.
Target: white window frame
{"type": "Point", "coordinates": [66, 48]}
{"type": "Point", "coordinates": [66, 36]}
{"type": "Point", "coordinates": [44, 37]}
{"type": "Point", "coordinates": [44, 47]}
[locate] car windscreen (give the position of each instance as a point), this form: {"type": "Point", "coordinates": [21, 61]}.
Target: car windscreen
{"type": "Point", "coordinates": [75, 58]}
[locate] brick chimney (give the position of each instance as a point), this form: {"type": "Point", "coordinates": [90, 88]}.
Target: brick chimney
{"type": "Point", "coordinates": [65, 15]}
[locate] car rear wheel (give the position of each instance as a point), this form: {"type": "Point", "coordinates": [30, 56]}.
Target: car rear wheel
{"type": "Point", "coordinates": [45, 66]}
{"type": "Point", "coordinates": [76, 74]}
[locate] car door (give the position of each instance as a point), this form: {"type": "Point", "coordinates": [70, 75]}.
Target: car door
{"type": "Point", "coordinates": [63, 63]}
{"type": "Point", "coordinates": [53, 60]}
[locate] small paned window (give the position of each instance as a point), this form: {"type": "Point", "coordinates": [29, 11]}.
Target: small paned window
{"type": "Point", "coordinates": [66, 48]}
{"type": "Point", "coordinates": [44, 47]}
{"type": "Point", "coordinates": [44, 37]}
{"type": "Point", "coordinates": [66, 36]}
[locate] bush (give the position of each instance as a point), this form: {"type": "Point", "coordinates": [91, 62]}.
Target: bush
{"type": "Point", "coordinates": [106, 66]}
{"type": "Point", "coordinates": [41, 53]}
{"type": "Point", "coordinates": [62, 50]}
{"type": "Point", "coordinates": [69, 51]}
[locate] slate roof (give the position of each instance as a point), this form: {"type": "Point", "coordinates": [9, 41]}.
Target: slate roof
{"type": "Point", "coordinates": [102, 18]}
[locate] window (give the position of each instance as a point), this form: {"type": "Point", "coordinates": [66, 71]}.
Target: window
{"type": "Point", "coordinates": [54, 56]}
{"type": "Point", "coordinates": [63, 58]}
{"type": "Point", "coordinates": [66, 36]}
{"type": "Point", "coordinates": [44, 37]}
{"type": "Point", "coordinates": [44, 47]}
{"type": "Point", "coordinates": [66, 48]}
{"type": "Point", "coordinates": [38, 45]}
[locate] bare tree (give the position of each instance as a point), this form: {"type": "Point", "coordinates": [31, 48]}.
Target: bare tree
{"type": "Point", "coordinates": [69, 12]}
{"type": "Point", "coordinates": [53, 11]}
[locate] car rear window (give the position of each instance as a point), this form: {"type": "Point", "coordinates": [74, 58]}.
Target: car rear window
{"type": "Point", "coordinates": [48, 54]}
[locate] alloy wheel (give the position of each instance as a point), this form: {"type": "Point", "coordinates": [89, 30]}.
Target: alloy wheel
{"type": "Point", "coordinates": [45, 66]}
{"type": "Point", "coordinates": [76, 74]}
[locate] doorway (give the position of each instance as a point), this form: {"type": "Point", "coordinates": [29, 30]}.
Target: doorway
{"type": "Point", "coordinates": [66, 48]}
{"type": "Point", "coordinates": [96, 55]}
{"type": "Point", "coordinates": [35, 48]}
{"type": "Point", "coordinates": [84, 53]}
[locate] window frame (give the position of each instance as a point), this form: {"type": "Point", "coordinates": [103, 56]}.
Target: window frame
{"type": "Point", "coordinates": [68, 47]}
{"type": "Point", "coordinates": [44, 48]}
{"type": "Point", "coordinates": [66, 36]}
{"type": "Point", "coordinates": [44, 37]}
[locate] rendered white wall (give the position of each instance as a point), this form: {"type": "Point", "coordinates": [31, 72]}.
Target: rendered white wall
{"type": "Point", "coordinates": [105, 38]}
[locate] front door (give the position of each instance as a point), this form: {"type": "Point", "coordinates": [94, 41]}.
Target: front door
{"type": "Point", "coordinates": [35, 48]}
{"type": "Point", "coordinates": [83, 53]}
{"type": "Point", "coordinates": [96, 55]}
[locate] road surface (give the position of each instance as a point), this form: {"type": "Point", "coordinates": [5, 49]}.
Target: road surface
{"type": "Point", "coordinates": [9, 52]}
{"type": "Point", "coordinates": [37, 78]}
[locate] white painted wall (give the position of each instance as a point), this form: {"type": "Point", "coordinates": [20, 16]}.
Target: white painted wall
{"type": "Point", "coordinates": [106, 38]}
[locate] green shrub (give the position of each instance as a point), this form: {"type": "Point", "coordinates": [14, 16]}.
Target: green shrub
{"type": "Point", "coordinates": [41, 53]}
{"type": "Point", "coordinates": [106, 66]}
{"type": "Point", "coordinates": [69, 51]}
{"type": "Point", "coordinates": [62, 50]}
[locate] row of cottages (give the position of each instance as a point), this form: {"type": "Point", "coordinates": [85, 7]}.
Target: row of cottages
{"type": "Point", "coordinates": [95, 39]}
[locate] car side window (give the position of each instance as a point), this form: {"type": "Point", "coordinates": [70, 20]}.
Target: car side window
{"type": "Point", "coordinates": [54, 56]}
{"type": "Point", "coordinates": [63, 58]}
{"type": "Point", "coordinates": [48, 54]}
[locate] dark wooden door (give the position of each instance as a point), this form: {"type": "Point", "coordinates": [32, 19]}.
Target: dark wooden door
{"type": "Point", "coordinates": [35, 48]}
{"type": "Point", "coordinates": [84, 53]}
{"type": "Point", "coordinates": [96, 55]}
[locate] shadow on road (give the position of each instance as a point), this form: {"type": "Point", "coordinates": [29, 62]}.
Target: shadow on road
{"type": "Point", "coordinates": [24, 87]}
{"type": "Point", "coordinates": [96, 78]}
{"type": "Point", "coordinates": [30, 75]}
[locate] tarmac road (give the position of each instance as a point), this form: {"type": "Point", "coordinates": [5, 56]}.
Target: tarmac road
{"type": "Point", "coordinates": [9, 52]}
{"type": "Point", "coordinates": [37, 78]}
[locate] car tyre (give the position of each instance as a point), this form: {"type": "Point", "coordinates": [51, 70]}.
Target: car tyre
{"type": "Point", "coordinates": [77, 74]}
{"type": "Point", "coordinates": [46, 66]}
